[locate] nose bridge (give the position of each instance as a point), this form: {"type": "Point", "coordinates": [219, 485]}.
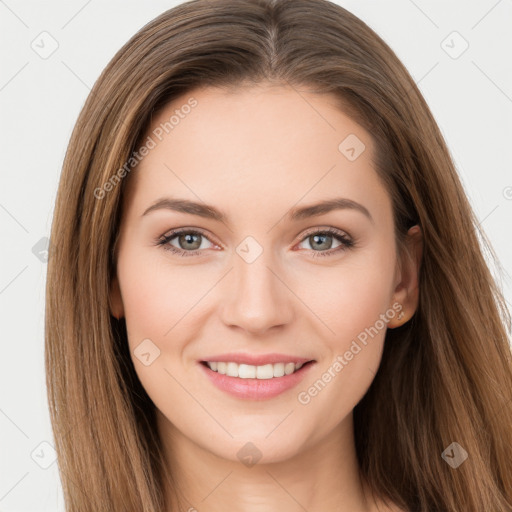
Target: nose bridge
{"type": "Point", "coordinates": [258, 300]}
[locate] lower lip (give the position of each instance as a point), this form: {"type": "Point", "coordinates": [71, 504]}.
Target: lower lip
{"type": "Point", "coordinates": [256, 389]}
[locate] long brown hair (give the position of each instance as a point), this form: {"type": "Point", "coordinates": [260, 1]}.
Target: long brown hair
{"type": "Point", "coordinates": [445, 376]}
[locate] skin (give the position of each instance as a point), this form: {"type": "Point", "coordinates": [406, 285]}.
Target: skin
{"type": "Point", "coordinates": [255, 153]}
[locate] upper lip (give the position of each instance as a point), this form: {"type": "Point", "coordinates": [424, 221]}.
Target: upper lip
{"type": "Point", "coordinates": [256, 359]}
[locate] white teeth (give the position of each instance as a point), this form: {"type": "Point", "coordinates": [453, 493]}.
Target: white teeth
{"type": "Point", "coordinates": [289, 368]}
{"type": "Point", "coordinates": [232, 370]}
{"type": "Point", "coordinates": [265, 372]}
{"type": "Point", "coordinates": [248, 371]}
{"type": "Point", "coordinates": [278, 369]}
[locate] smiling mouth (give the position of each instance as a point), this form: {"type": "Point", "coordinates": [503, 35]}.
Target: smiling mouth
{"type": "Point", "coordinates": [248, 371]}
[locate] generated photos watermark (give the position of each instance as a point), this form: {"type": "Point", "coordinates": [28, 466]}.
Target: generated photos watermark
{"type": "Point", "coordinates": [342, 360]}
{"type": "Point", "coordinates": [157, 135]}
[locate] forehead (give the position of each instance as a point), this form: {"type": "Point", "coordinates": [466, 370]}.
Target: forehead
{"type": "Point", "coordinates": [257, 146]}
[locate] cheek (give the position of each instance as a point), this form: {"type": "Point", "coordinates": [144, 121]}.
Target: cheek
{"type": "Point", "coordinates": [350, 297]}
{"type": "Point", "coordinates": [156, 295]}
{"type": "Point", "coordinates": [355, 311]}
{"type": "Point", "coordinates": [156, 298]}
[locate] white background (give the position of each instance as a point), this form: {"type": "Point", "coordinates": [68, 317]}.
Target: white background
{"type": "Point", "coordinates": [470, 96]}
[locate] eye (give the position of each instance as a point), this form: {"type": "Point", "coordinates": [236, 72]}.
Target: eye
{"type": "Point", "coordinates": [323, 239]}
{"type": "Point", "coordinates": [190, 242]}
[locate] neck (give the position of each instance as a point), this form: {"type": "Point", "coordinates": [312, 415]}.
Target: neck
{"type": "Point", "coordinates": [324, 476]}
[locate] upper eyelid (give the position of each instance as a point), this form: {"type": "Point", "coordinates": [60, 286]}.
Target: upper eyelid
{"type": "Point", "coordinates": [179, 231]}
{"type": "Point", "coordinates": [330, 229]}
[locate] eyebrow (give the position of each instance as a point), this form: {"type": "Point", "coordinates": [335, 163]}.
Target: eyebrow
{"type": "Point", "coordinates": [295, 214]}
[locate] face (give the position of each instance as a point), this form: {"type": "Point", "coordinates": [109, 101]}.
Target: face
{"type": "Point", "coordinates": [253, 274]}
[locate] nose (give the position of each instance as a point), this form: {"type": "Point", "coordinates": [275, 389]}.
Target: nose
{"type": "Point", "coordinates": [257, 296]}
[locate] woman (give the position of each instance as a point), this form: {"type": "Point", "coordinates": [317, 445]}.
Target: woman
{"type": "Point", "coordinates": [200, 354]}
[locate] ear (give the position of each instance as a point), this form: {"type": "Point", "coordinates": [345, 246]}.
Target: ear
{"type": "Point", "coordinates": [408, 267]}
{"type": "Point", "coordinates": [116, 301]}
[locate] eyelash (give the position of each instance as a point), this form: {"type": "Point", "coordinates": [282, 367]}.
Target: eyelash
{"type": "Point", "coordinates": [346, 242]}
